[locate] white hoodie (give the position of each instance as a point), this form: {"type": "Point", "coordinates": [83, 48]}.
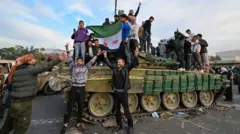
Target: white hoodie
{"type": "Point", "coordinates": [134, 32]}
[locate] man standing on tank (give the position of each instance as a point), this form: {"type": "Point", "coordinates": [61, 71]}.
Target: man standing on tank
{"type": "Point", "coordinates": [80, 39]}
{"type": "Point", "coordinates": [147, 34]}
{"type": "Point", "coordinates": [120, 85]}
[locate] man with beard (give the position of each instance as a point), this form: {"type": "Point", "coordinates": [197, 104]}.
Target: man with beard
{"type": "Point", "coordinates": [120, 85]}
{"type": "Point", "coordinates": [76, 94]}
{"type": "Point", "coordinates": [23, 77]}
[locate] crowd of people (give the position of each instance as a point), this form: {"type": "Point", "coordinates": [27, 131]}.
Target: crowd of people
{"type": "Point", "coordinates": [22, 79]}
{"type": "Point", "coordinates": [189, 49]}
{"type": "Point", "coordinates": [133, 35]}
{"type": "Point", "coordinates": [88, 51]}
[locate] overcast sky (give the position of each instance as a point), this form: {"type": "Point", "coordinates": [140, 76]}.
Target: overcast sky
{"type": "Point", "coordinates": [49, 23]}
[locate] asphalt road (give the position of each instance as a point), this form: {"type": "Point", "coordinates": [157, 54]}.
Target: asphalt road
{"type": "Point", "coordinates": [48, 111]}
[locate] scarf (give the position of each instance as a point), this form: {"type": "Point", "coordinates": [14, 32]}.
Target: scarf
{"type": "Point", "coordinates": [19, 61]}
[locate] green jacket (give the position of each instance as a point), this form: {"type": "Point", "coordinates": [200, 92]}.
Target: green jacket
{"type": "Point", "coordinates": [25, 79]}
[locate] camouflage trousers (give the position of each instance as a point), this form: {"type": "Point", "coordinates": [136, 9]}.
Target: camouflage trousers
{"type": "Point", "coordinates": [18, 118]}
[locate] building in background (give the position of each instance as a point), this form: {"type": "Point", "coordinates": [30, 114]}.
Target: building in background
{"type": "Point", "coordinates": [52, 51]}
{"type": "Point", "coordinates": [229, 55]}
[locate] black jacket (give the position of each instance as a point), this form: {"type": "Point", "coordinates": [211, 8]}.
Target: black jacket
{"type": "Point", "coordinates": [147, 26]}
{"type": "Point", "coordinates": [187, 47]}
{"type": "Point", "coordinates": [153, 50]}
{"type": "Point", "coordinates": [204, 45]}
{"type": "Point", "coordinates": [125, 72]}
{"type": "Point", "coordinates": [179, 41]}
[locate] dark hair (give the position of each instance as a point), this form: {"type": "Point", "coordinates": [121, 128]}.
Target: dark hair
{"type": "Point", "coordinates": [81, 21]}
{"type": "Point", "coordinates": [199, 35]}
{"type": "Point", "coordinates": [89, 40]}
{"type": "Point", "coordinates": [151, 18]}
{"type": "Point", "coordinates": [79, 58]}
{"type": "Point", "coordinates": [188, 30]}
{"type": "Point", "coordinates": [121, 59]}
{"type": "Point", "coordinates": [74, 29]}
{"type": "Point", "coordinates": [124, 16]}
{"type": "Point", "coordinates": [116, 15]}
{"type": "Point", "coordinates": [95, 40]}
{"type": "Point", "coordinates": [130, 14]}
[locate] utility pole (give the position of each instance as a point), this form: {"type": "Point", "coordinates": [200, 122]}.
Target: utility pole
{"type": "Point", "coordinates": [115, 7]}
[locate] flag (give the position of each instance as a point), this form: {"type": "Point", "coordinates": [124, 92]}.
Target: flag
{"type": "Point", "coordinates": [108, 35]}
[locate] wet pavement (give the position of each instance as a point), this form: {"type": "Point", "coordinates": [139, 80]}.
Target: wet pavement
{"type": "Point", "coordinates": [48, 111]}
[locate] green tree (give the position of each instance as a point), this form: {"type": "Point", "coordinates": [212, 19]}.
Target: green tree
{"type": "Point", "coordinates": [31, 48]}
{"type": "Point", "coordinates": [42, 49]}
{"type": "Point", "coordinates": [218, 58]}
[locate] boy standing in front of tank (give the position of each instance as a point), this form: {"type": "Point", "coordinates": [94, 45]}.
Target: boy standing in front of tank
{"type": "Point", "coordinates": [120, 85]}
{"type": "Point", "coordinates": [76, 93]}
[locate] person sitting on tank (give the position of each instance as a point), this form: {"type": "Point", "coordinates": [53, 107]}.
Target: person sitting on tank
{"type": "Point", "coordinates": [76, 93]}
{"type": "Point", "coordinates": [170, 48]}
{"type": "Point", "coordinates": [100, 59]}
{"type": "Point", "coordinates": [121, 85]}
{"type": "Point", "coordinates": [161, 49]}
{"type": "Point", "coordinates": [91, 37]}
{"type": "Point", "coordinates": [152, 50]}
{"type": "Point", "coordinates": [116, 18]}
{"type": "Point", "coordinates": [90, 51]}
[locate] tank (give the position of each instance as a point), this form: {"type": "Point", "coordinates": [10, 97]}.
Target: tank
{"type": "Point", "coordinates": [154, 88]}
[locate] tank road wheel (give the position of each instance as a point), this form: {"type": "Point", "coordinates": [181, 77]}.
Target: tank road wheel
{"type": "Point", "coordinates": [171, 100]}
{"type": "Point", "coordinates": [151, 103]}
{"type": "Point", "coordinates": [206, 98]}
{"type": "Point", "coordinates": [100, 104]}
{"type": "Point", "coordinates": [189, 99]}
{"type": "Point", "coordinates": [132, 102]}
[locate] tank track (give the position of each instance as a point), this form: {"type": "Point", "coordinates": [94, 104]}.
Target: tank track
{"type": "Point", "coordinates": [143, 114]}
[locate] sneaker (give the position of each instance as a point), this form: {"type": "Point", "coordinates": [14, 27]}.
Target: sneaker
{"type": "Point", "coordinates": [129, 130]}
{"type": "Point", "coordinates": [116, 129]}
{"type": "Point", "coordinates": [180, 69]}
{"type": "Point", "coordinates": [63, 129]}
{"type": "Point", "coordinates": [80, 126]}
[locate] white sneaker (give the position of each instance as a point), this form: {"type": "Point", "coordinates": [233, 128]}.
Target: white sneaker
{"type": "Point", "coordinates": [180, 69]}
{"type": "Point", "coordinates": [183, 69]}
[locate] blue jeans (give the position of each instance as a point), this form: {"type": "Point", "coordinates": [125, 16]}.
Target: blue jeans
{"type": "Point", "coordinates": [5, 101]}
{"type": "Point", "coordinates": [80, 48]}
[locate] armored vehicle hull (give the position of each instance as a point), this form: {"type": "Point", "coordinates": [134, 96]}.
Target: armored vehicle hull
{"type": "Point", "coordinates": [153, 89]}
